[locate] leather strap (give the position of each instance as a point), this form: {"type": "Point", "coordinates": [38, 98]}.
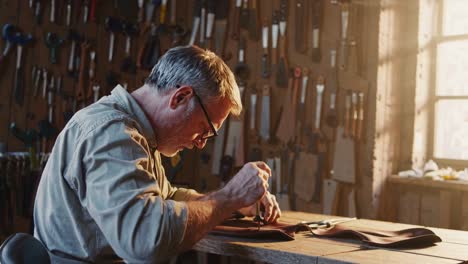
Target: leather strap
{"type": "Point", "coordinates": [300, 33]}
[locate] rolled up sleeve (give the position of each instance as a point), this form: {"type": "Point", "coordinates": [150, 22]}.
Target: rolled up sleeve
{"type": "Point", "coordinates": [120, 189]}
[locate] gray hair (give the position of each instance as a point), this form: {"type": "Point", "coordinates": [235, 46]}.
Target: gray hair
{"type": "Point", "coordinates": [202, 69]}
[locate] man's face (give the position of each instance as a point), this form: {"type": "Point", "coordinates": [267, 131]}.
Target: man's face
{"type": "Point", "coordinates": [191, 125]}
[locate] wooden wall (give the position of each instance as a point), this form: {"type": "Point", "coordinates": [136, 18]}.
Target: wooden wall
{"type": "Point", "coordinates": [360, 75]}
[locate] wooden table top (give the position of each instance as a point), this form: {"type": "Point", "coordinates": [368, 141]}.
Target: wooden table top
{"type": "Point", "coordinates": [308, 249]}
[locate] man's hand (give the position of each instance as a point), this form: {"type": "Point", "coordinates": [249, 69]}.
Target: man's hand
{"type": "Point", "coordinates": [272, 209]}
{"type": "Point", "coordinates": [250, 184]}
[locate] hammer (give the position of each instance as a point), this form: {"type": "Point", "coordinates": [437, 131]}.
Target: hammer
{"type": "Point", "coordinates": [20, 40]}
{"type": "Point", "coordinates": [53, 42]}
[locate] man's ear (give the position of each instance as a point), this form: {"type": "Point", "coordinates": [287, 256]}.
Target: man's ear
{"type": "Point", "coordinates": [181, 96]}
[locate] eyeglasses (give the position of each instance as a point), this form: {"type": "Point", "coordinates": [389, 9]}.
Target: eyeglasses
{"type": "Point", "coordinates": [208, 134]}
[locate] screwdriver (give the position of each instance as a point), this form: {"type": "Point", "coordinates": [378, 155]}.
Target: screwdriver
{"type": "Point", "coordinates": [257, 217]}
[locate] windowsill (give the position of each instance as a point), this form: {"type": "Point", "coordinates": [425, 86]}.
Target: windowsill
{"type": "Point", "coordinates": [421, 182]}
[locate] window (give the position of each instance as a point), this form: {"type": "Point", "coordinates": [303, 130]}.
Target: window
{"type": "Point", "coordinates": [449, 135]}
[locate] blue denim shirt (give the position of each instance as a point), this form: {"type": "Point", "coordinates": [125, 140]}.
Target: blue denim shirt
{"type": "Point", "coordinates": [104, 190]}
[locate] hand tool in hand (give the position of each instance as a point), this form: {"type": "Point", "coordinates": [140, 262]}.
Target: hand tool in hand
{"type": "Point", "coordinates": [258, 218]}
{"type": "Point", "coordinates": [53, 42]}
{"type": "Point", "coordinates": [20, 39]}
{"type": "Point", "coordinates": [8, 33]}
{"type": "Point", "coordinates": [113, 25]}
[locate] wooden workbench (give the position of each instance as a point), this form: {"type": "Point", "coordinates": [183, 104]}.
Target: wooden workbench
{"type": "Point", "coordinates": [308, 249]}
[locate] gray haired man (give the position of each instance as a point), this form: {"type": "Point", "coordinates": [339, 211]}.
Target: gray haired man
{"type": "Point", "coordinates": [103, 191]}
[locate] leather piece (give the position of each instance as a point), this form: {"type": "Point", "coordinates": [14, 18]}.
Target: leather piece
{"type": "Point", "coordinates": [408, 238]}
{"type": "Point", "coordinates": [249, 229]}
{"type": "Point", "coordinates": [411, 237]}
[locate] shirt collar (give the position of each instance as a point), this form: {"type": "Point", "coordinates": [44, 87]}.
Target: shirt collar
{"type": "Point", "coordinates": [126, 100]}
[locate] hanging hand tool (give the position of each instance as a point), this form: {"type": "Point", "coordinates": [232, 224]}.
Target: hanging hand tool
{"type": "Point", "coordinates": [294, 95]}
{"type": "Point", "coordinates": [302, 102]}
{"type": "Point", "coordinates": [80, 93]}
{"type": "Point", "coordinates": [361, 116]}
{"type": "Point", "coordinates": [344, 34]}
{"type": "Point", "coordinates": [96, 89]}
{"type": "Point", "coordinates": [141, 10]}
{"type": "Point", "coordinates": [320, 86]}
{"type": "Point", "coordinates": [85, 10]}
{"type": "Point", "coordinates": [210, 19]}
{"type": "Point", "coordinates": [130, 30]}
{"type": "Point", "coordinates": [317, 11]}
{"type": "Point", "coordinates": [69, 13]}
{"type": "Point", "coordinates": [162, 12]}
{"type": "Point", "coordinates": [149, 52]}
{"type": "Point", "coordinates": [196, 21]}
{"type": "Point", "coordinates": [241, 71]}
{"type": "Point", "coordinates": [282, 73]}
{"type": "Point", "coordinates": [221, 35]}
{"type": "Point", "coordinates": [20, 40]}
{"type": "Point", "coordinates": [75, 38]}
{"type": "Point", "coordinates": [92, 11]}
{"type": "Point", "coordinates": [45, 81]}
{"type": "Point", "coordinates": [114, 26]}
{"type": "Point", "coordinates": [201, 36]}
{"type": "Point", "coordinates": [53, 42]}
{"type": "Point", "coordinates": [244, 15]}
{"type": "Point", "coordinates": [150, 6]}
{"type": "Point", "coordinates": [46, 131]}
{"type": "Point", "coordinates": [91, 74]}
{"type": "Point", "coordinates": [265, 122]}
{"type": "Point", "coordinates": [52, 11]}
{"type": "Point", "coordinates": [37, 79]}
{"type": "Point", "coordinates": [254, 20]}
{"type": "Point", "coordinates": [173, 17]}
{"type": "Point", "coordinates": [265, 57]}
{"type": "Point", "coordinates": [8, 33]}
{"type": "Point", "coordinates": [50, 99]}
{"type": "Point", "coordinates": [235, 29]}
{"type": "Point", "coordinates": [253, 111]}
{"type": "Point", "coordinates": [179, 35]}
{"type": "Point", "coordinates": [274, 38]}
{"type": "Point", "coordinates": [347, 117]}
{"type": "Point", "coordinates": [332, 117]}
{"type": "Point", "coordinates": [300, 27]}
{"type": "Point", "coordinates": [354, 111]}
{"type": "Point", "coordinates": [38, 11]}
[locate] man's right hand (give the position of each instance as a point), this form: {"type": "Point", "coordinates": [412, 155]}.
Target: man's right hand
{"type": "Point", "coordinates": [249, 184]}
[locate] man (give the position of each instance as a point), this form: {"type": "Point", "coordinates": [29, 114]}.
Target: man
{"type": "Point", "coordinates": [104, 191]}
